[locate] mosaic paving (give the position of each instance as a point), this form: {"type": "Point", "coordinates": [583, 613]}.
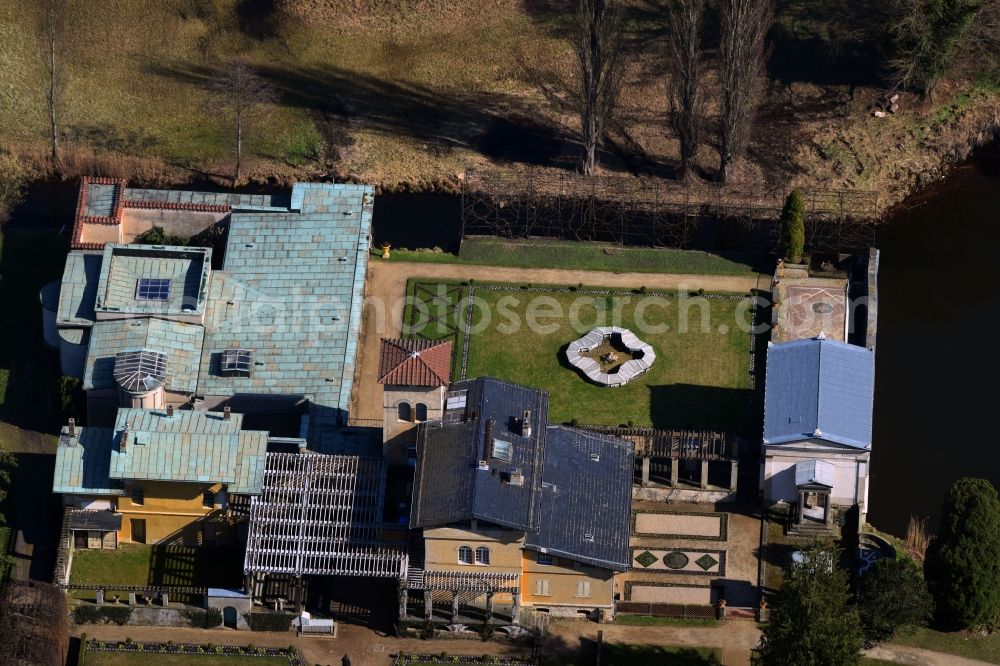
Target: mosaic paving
{"type": "Point", "coordinates": [698, 562]}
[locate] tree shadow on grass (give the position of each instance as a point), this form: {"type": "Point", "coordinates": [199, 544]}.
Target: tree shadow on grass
{"type": "Point", "coordinates": [499, 126]}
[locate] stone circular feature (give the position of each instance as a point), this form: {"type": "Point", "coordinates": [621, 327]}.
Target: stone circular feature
{"type": "Point", "coordinates": [675, 560]}
{"type": "Point", "coordinates": [606, 369]}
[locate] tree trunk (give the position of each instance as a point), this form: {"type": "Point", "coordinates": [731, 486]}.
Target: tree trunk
{"type": "Point", "coordinates": [725, 167]}
{"type": "Point", "coordinates": [54, 129]}
{"type": "Point", "coordinates": [590, 154]}
{"type": "Point", "coordinates": [239, 149]}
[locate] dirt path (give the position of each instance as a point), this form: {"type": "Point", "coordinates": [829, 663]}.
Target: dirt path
{"type": "Point", "coordinates": [386, 290]}
{"type": "Point", "coordinates": [904, 654]}
{"type": "Point", "coordinates": [735, 638]}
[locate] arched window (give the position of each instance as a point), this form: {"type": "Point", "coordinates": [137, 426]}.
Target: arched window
{"type": "Point", "coordinates": [421, 411]}
{"type": "Point", "coordinates": [482, 555]}
{"type": "Point", "coordinates": [464, 555]}
{"type": "Point", "coordinates": [404, 412]}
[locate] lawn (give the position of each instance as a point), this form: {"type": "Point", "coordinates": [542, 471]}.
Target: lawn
{"type": "Point", "coordinates": [650, 621]}
{"type": "Point", "coordinates": [135, 564]}
{"type": "Point", "coordinates": [700, 378]}
{"type": "Point", "coordinates": [981, 647]}
{"type": "Point", "coordinates": [95, 658]}
{"type": "Point", "coordinates": [588, 256]}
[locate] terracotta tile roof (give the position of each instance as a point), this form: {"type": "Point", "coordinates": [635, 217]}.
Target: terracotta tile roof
{"type": "Point", "coordinates": [415, 362]}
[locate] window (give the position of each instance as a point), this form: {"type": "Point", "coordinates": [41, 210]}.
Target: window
{"type": "Point", "coordinates": [208, 499]}
{"type": "Point", "coordinates": [465, 555]}
{"type": "Point", "coordinates": [421, 411]}
{"type": "Point", "coordinates": [404, 412]}
{"type": "Point", "coordinates": [544, 559]}
{"type": "Point", "coordinates": [583, 588]}
{"type": "Point", "coordinates": [153, 289]}
{"type": "Point", "coordinates": [541, 587]}
{"type": "Point", "coordinates": [482, 555]}
{"type": "Point", "coordinates": [137, 497]}
{"type": "Point", "coordinates": [503, 450]}
{"type": "Point", "coordinates": [236, 362]}
{"type": "Point", "coordinates": [138, 526]}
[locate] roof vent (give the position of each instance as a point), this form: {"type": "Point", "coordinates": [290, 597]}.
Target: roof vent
{"type": "Point", "coordinates": [817, 433]}
{"type": "Point", "coordinates": [526, 424]}
{"type": "Point", "coordinates": [516, 477]}
{"type": "Point", "coordinates": [589, 536]}
{"type": "Point", "coordinates": [170, 411]}
{"type": "Point", "coordinates": [72, 427]}
{"type": "Point", "coordinates": [596, 457]}
{"type": "Point", "coordinates": [821, 336]}
{"type": "Point", "coordinates": [484, 466]}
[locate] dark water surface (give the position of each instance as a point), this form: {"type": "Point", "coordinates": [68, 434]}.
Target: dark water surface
{"type": "Point", "coordinates": [937, 379]}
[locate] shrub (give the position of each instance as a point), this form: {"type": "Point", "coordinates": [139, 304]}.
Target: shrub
{"type": "Point", "coordinates": [962, 566]}
{"type": "Point", "coordinates": [81, 656]}
{"type": "Point", "coordinates": [793, 233]}
{"type": "Point", "coordinates": [205, 619]}
{"type": "Point", "coordinates": [892, 596]}
{"type": "Point", "coordinates": [14, 177]}
{"type": "Point", "coordinates": [157, 236]}
{"type": "Point", "coordinates": [427, 630]}
{"type": "Point", "coordinates": [269, 621]}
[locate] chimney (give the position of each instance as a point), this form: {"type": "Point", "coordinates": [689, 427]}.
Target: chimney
{"type": "Point", "coordinates": [226, 412]}
{"type": "Point", "coordinates": [123, 440]}
{"type": "Point", "coordinates": [72, 427]}
{"type": "Point", "coordinates": [488, 439]}
{"type": "Point", "coordinates": [526, 424]}
{"type": "Point", "coordinates": [170, 411]}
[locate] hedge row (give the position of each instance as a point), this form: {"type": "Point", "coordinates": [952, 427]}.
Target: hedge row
{"type": "Point", "coordinates": [87, 614]}
{"type": "Point", "coordinates": [269, 621]}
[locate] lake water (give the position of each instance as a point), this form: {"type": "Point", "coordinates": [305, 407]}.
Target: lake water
{"type": "Point", "coordinates": [937, 403]}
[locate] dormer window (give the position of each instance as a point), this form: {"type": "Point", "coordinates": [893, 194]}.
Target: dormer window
{"type": "Point", "coordinates": [153, 289]}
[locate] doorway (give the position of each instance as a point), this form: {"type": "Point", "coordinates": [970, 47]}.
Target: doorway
{"type": "Point", "coordinates": [138, 530]}
{"type": "Point", "coordinates": [229, 617]}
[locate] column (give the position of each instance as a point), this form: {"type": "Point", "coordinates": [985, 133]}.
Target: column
{"type": "Point", "coordinates": [489, 607]}
{"type": "Point", "coordinates": [675, 465]}
{"type": "Point", "coordinates": [515, 610]}
{"type": "Point", "coordinates": [131, 599]}
{"type": "Point", "coordinates": [704, 474]}
{"type": "Point", "coordinates": [298, 595]}
{"type": "Point", "coordinates": [100, 597]}
{"type": "Point", "coordinates": [734, 472]}
{"type": "Point", "coordinates": [827, 517]}
{"type": "Point", "coordinates": [164, 600]}
{"type": "Point", "coordinates": [645, 471]}
{"type": "Point", "coordinates": [248, 585]}
{"type": "Point", "coordinates": [404, 599]}
{"type": "Point", "coordinates": [802, 506]}
{"type": "Point", "coordinates": [428, 605]}
{"type": "Point", "coordinates": [454, 606]}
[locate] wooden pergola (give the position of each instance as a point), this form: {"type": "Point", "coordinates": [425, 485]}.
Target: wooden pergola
{"type": "Point", "coordinates": [320, 515]}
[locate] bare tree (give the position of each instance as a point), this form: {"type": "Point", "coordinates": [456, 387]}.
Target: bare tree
{"type": "Point", "coordinates": [743, 72]}
{"type": "Point", "coordinates": [597, 39]}
{"type": "Point", "coordinates": [243, 97]}
{"type": "Point", "coordinates": [51, 30]}
{"type": "Point", "coordinates": [687, 100]}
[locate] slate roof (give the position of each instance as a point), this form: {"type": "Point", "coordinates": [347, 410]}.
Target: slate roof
{"type": "Point", "coordinates": [123, 266]}
{"type": "Point", "coordinates": [233, 200]}
{"type": "Point", "coordinates": [82, 463]}
{"type": "Point", "coordinates": [181, 343]}
{"type": "Point", "coordinates": [819, 388]}
{"type": "Point", "coordinates": [586, 498]}
{"type": "Point", "coordinates": [190, 446]}
{"type": "Point", "coordinates": [449, 486]}
{"type": "Point", "coordinates": [78, 290]}
{"type": "Point", "coordinates": [415, 362]}
{"type": "Point", "coordinates": [291, 291]}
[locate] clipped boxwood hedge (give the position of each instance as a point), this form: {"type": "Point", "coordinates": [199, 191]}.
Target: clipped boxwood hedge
{"type": "Point", "coordinates": [206, 619]}
{"type": "Point", "coordinates": [87, 614]}
{"type": "Point", "coordinates": [269, 621]}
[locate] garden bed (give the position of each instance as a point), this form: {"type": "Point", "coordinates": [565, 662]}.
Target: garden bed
{"type": "Point", "coordinates": [127, 653]}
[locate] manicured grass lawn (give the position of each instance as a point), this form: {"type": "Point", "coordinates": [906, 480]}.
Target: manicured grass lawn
{"type": "Point", "coordinates": [700, 378]}
{"type": "Point", "coordinates": [649, 621]}
{"type": "Point", "coordinates": [588, 256]}
{"type": "Point", "coordinates": [147, 659]}
{"type": "Point", "coordinates": [135, 564]}
{"type": "Point", "coordinates": [984, 648]}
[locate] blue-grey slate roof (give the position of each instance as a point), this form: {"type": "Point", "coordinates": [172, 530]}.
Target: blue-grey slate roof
{"type": "Point", "coordinates": [78, 291]}
{"type": "Point", "coordinates": [585, 499]}
{"type": "Point", "coordinates": [819, 389]}
{"type": "Point", "coordinates": [83, 461]}
{"type": "Point", "coordinates": [181, 343]}
{"type": "Point", "coordinates": [190, 446]}
{"type": "Point", "coordinates": [448, 484]}
{"type": "Point", "coordinates": [236, 201]}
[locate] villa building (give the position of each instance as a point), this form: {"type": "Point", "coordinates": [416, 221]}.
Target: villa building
{"type": "Point", "coordinates": [515, 511]}
{"type": "Point", "coordinates": [158, 476]}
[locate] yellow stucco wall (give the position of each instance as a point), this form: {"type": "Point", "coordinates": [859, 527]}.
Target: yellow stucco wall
{"type": "Point", "coordinates": [172, 511]}
{"type": "Point", "coordinates": [507, 556]}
